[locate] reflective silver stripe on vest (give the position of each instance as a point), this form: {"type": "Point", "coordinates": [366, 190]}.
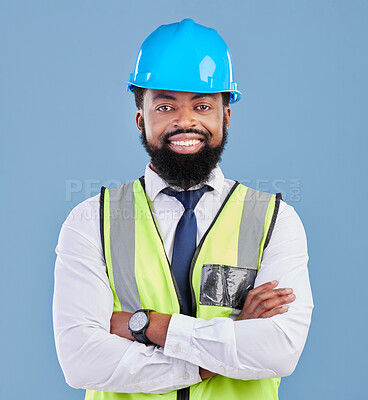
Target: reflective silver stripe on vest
{"type": "Point", "coordinates": [251, 232]}
{"type": "Point", "coordinates": [122, 243]}
{"type": "Point", "coordinates": [252, 227]}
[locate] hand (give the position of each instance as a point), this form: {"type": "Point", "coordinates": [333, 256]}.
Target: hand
{"type": "Point", "coordinates": [205, 373]}
{"type": "Point", "coordinates": [119, 324]}
{"type": "Point", "coordinates": [265, 301]}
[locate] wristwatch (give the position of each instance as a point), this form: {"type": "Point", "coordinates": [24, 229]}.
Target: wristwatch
{"type": "Point", "coordinates": [138, 324]}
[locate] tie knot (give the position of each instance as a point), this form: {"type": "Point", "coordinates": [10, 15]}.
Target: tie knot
{"type": "Point", "coordinates": [189, 198]}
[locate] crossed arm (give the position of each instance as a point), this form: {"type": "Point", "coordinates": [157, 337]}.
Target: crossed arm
{"type": "Point", "coordinates": [262, 302]}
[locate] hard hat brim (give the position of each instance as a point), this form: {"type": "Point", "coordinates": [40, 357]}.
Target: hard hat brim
{"type": "Point", "coordinates": [235, 95]}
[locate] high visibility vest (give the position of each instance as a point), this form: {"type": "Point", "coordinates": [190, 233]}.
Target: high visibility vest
{"type": "Point", "coordinates": [228, 255]}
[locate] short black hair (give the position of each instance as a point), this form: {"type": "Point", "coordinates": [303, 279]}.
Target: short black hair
{"type": "Point", "coordinates": [138, 97]}
{"type": "Point", "coordinates": [139, 94]}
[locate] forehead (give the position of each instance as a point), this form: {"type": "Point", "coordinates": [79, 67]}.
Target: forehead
{"type": "Point", "coordinates": [157, 95]}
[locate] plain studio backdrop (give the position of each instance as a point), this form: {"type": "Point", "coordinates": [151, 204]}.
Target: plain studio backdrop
{"type": "Point", "coordinates": [67, 127]}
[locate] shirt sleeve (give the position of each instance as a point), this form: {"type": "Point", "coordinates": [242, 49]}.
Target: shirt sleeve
{"type": "Point", "coordinates": [256, 348]}
{"type": "Point", "coordinates": [91, 357]}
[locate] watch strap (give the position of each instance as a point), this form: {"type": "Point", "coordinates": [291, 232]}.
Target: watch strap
{"type": "Point", "coordinates": [141, 337]}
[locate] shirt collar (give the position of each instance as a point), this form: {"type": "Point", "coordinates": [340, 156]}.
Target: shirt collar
{"type": "Point", "coordinates": [154, 184]}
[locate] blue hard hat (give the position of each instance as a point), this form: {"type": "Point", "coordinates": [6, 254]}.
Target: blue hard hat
{"type": "Point", "coordinates": [185, 57]}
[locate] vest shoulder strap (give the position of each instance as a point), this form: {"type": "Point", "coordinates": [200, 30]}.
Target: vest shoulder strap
{"type": "Point", "coordinates": [273, 220]}
{"type": "Point", "coordinates": [102, 216]}
{"type": "Point", "coordinates": [257, 223]}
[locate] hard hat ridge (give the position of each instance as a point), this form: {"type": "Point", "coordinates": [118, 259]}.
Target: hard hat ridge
{"type": "Point", "coordinates": [187, 57]}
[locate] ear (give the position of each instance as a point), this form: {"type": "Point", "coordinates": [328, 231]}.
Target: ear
{"type": "Point", "coordinates": [139, 119]}
{"type": "Point", "coordinates": [227, 115]}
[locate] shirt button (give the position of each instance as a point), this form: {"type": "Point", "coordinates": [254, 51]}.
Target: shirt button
{"type": "Point", "coordinates": [137, 389]}
{"type": "Point", "coordinates": [177, 348]}
{"type": "Point", "coordinates": [186, 375]}
{"type": "Point", "coordinates": [221, 369]}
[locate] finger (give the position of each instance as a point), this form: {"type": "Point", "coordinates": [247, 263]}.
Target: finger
{"type": "Point", "coordinates": [264, 286]}
{"type": "Point", "coordinates": [275, 311]}
{"type": "Point", "coordinates": [254, 292]}
{"type": "Point", "coordinates": [270, 304]}
{"type": "Point", "coordinates": [264, 296]}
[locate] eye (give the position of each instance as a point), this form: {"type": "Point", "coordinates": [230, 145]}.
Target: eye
{"type": "Point", "coordinates": [164, 108]}
{"type": "Point", "coordinates": [203, 107]}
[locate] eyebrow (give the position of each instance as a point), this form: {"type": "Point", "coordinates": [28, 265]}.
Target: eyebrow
{"type": "Point", "coordinates": [161, 96]}
{"type": "Point", "coordinates": [200, 95]}
{"type": "Point", "coordinates": [164, 96]}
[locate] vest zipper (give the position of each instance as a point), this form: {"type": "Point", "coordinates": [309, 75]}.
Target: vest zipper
{"type": "Point", "coordinates": [183, 394]}
{"type": "Point", "coordinates": [199, 247]}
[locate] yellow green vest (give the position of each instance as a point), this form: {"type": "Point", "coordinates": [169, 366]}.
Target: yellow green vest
{"type": "Point", "coordinates": [140, 275]}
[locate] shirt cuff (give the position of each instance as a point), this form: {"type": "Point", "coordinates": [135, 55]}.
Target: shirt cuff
{"type": "Point", "coordinates": [178, 342]}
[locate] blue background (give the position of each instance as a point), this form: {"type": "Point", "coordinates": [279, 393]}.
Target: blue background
{"type": "Point", "coordinates": [67, 127]}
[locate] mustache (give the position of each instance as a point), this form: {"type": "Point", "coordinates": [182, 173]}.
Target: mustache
{"type": "Point", "coordinates": [168, 135]}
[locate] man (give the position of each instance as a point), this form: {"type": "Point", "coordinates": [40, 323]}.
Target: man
{"type": "Point", "coordinates": [155, 297]}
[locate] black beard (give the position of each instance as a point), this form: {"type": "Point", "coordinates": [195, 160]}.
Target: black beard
{"type": "Point", "coordinates": [184, 170]}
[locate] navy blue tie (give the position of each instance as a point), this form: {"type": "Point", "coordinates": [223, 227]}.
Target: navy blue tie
{"type": "Point", "coordinates": [185, 242]}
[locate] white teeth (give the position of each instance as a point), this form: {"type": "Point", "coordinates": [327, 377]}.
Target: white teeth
{"type": "Point", "coordinates": [185, 142]}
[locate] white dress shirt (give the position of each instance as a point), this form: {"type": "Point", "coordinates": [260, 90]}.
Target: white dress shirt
{"type": "Point", "coordinates": [92, 358]}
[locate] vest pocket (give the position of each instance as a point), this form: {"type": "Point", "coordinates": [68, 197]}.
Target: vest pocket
{"type": "Point", "coordinates": [226, 286]}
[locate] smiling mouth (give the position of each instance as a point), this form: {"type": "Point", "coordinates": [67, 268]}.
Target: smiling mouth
{"type": "Point", "coordinates": [185, 145]}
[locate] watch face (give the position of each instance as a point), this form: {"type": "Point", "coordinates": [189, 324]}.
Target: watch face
{"type": "Point", "coordinates": [138, 321]}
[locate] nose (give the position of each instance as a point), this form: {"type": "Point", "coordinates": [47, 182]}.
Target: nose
{"type": "Point", "coordinates": [184, 118]}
